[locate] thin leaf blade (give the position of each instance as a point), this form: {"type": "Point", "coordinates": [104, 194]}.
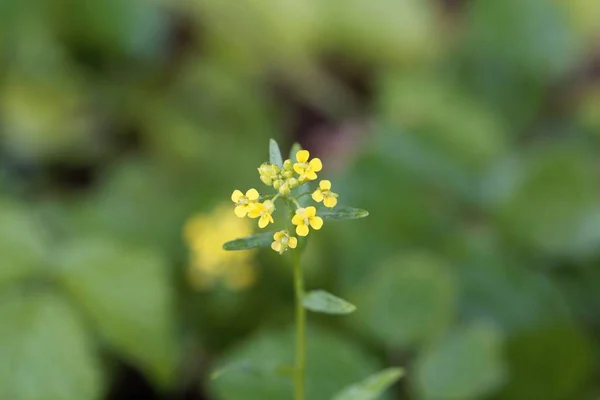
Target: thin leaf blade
{"type": "Point", "coordinates": [325, 302]}
{"type": "Point", "coordinates": [341, 213]}
{"type": "Point", "coordinates": [296, 147]}
{"type": "Point", "coordinates": [275, 154]}
{"type": "Point", "coordinates": [372, 387]}
{"type": "Point", "coordinates": [263, 239]}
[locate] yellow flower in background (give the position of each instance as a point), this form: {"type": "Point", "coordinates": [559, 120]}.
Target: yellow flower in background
{"type": "Point", "coordinates": [263, 212]}
{"type": "Point", "coordinates": [283, 241]}
{"type": "Point", "coordinates": [307, 169]}
{"type": "Point", "coordinates": [305, 218]}
{"type": "Point", "coordinates": [209, 264]}
{"type": "Point", "coordinates": [243, 202]}
{"type": "Point", "coordinates": [325, 195]}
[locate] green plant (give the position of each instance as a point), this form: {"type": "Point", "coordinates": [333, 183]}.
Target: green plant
{"type": "Point", "coordinates": [294, 185]}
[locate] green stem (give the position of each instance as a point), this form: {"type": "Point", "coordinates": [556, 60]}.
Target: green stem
{"type": "Point", "coordinates": [300, 330]}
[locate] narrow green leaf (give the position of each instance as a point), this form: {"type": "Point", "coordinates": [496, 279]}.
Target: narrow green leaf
{"type": "Point", "coordinates": [250, 242]}
{"type": "Point", "coordinates": [296, 147]}
{"type": "Point", "coordinates": [284, 370]}
{"type": "Point", "coordinates": [275, 154]}
{"type": "Point", "coordinates": [216, 374]}
{"type": "Point", "coordinates": [342, 213]}
{"type": "Point", "coordinates": [372, 387]}
{"type": "Point", "coordinates": [325, 302]}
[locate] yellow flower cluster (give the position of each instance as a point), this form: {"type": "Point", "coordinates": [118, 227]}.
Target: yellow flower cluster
{"type": "Point", "coordinates": [285, 179]}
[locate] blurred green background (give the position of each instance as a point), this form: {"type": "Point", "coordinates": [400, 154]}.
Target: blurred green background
{"type": "Point", "coordinates": [469, 129]}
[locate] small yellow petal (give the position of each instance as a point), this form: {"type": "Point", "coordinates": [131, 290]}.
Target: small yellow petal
{"type": "Point", "coordinates": [279, 235]}
{"type": "Point", "coordinates": [236, 195]}
{"type": "Point", "coordinates": [276, 246]}
{"type": "Point", "coordinates": [302, 156]}
{"type": "Point", "coordinates": [293, 242]}
{"type": "Point", "coordinates": [297, 220]}
{"type": "Point", "coordinates": [252, 195]}
{"type": "Point", "coordinates": [330, 201]}
{"type": "Point", "coordinates": [316, 223]}
{"type": "Point", "coordinates": [302, 230]}
{"type": "Point", "coordinates": [310, 212]}
{"type": "Point", "coordinates": [311, 175]}
{"type": "Point", "coordinates": [241, 211]}
{"type": "Point", "coordinates": [269, 206]}
{"type": "Point", "coordinates": [263, 221]}
{"type": "Point", "coordinates": [254, 210]}
{"type": "Point", "coordinates": [316, 164]}
{"type": "Point", "coordinates": [317, 196]}
{"type": "Point", "coordinates": [325, 185]}
{"type": "Point", "coordinates": [299, 169]}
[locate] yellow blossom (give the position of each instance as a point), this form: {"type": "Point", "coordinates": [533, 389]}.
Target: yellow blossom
{"type": "Point", "coordinates": [244, 202]}
{"type": "Point", "coordinates": [262, 211]}
{"type": "Point", "coordinates": [268, 173]}
{"type": "Point", "coordinates": [209, 263]}
{"type": "Point", "coordinates": [305, 218]}
{"type": "Point", "coordinates": [307, 169]}
{"type": "Point", "coordinates": [325, 195]}
{"type": "Point", "coordinates": [283, 241]}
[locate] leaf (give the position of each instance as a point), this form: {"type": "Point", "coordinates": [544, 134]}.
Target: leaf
{"type": "Point", "coordinates": [45, 352]}
{"type": "Point", "coordinates": [296, 147]}
{"type": "Point", "coordinates": [128, 295]}
{"type": "Point", "coordinates": [275, 154]}
{"type": "Point", "coordinates": [372, 387]}
{"type": "Point", "coordinates": [263, 239]}
{"type": "Point", "coordinates": [245, 365]}
{"type": "Point", "coordinates": [342, 213]}
{"type": "Point", "coordinates": [324, 302]}
{"type": "Point", "coordinates": [22, 244]}
{"type": "Point", "coordinates": [465, 364]}
{"type": "Point", "coordinates": [333, 362]}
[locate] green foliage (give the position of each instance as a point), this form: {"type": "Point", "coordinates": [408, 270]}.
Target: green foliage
{"type": "Point", "coordinates": [275, 154]}
{"type": "Point", "coordinates": [342, 212]}
{"type": "Point", "coordinates": [324, 302]}
{"type": "Point", "coordinates": [263, 239]}
{"type": "Point", "coordinates": [372, 387]}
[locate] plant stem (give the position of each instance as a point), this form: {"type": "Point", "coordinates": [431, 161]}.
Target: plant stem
{"type": "Point", "coordinates": [300, 330]}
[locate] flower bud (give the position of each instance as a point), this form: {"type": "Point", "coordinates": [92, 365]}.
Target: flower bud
{"type": "Point", "coordinates": [293, 183]}
{"type": "Point", "coordinates": [285, 188]}
{"type": "Point", "coordinates": [287, 174]}
{"type": "Point", "coordinates": [277, 184]}
{"type": "Point", "coordinates": [288, 165]}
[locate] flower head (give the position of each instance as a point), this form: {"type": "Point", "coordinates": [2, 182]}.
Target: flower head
{"type": "Point", "coordinates": [244, 202]}
{"type": "Point", "coordinates": [305, 218]}
{"type": "Point", "coordinates": [269, 173]}
{"type": "Point", "coordinates": [325, 195]}
{"type": "Point", "coordinates": [263, 212]}
{"type": "Point", "coordinates": [283, 241]}
{"type": "Point", "coordinates": [307, 169]}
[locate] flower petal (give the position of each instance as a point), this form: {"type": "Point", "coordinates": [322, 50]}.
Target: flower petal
{"type": "Point", "coordinates": [241, 211]}
{"type": "Point", "coordinates": [278, 235]}
{"type": "Point", "coordinates": [317, 196]}
{"type": "Point", "coordinates": [302, 230]}
{"type": "Point", "coordinates": [316, 223]}
{"type": "Point", "coordinates": [330, 201]}
{"type": "Point", "coordinates": [269, 206]}
{"type": "Point", "coordinates": [302, 156]}
{"type": "Point", "coordinates": [236, 196]}
{"type": "Point", "coordinates": [315, 164]}
{"type": "Point", "coordinates": [299, 169]}
{"type": "Point", "coordinates": [325, 185]}
{"type": "Point", "coordinates": [263, 221]}
{"type": "Point", "coordinates": [254, 210]}
{"type": "Point", "coordinates": [310, 212]}
{"type": "Point", "coordinates": [252, 194]}
{"type": "Point", "coordinates": [297, 220]}
{"type": "Point", "coordinates": [293, 242]}
{"type": "Point", "coordinates": [311, 175]}
{"type": "Point", "coordinates": [276, 246]}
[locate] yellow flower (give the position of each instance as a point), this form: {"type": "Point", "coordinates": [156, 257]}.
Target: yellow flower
{"type": "Point", "coordinates": [244, 202]}
{"type": "Point", "coordinates": [325, 195]}
{"type": "Point", "coordinates": [283, 241]}
{"type": "Point", "coordinates": [307, 169]}
{"type": "Point", "coordinates": [304, 218]}
{"type": "Point", "coordinates": [269, 173]}
{"type": "Point", "coordinates": [209, 263]}
{"type": "Point", "coordinates": [262, 211]}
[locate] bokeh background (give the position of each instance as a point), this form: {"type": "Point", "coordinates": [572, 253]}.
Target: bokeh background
{"type": "Point", "coordinates": [469, 129]}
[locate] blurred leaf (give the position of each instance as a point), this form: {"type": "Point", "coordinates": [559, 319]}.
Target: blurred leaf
{"type": "Point", "coordinates": [45, 351]}
{"type": "Point", "coordinates": [263, 239]}
{"type": "Point", "coordinates": [407, 299]}
{"type": "Point", "coordinates": [324, 302]}
{"type": "Point", "coordinates": [247, 366]}
{"type": "Point", "coordinates": [549, 362]}
{"type": "Point", "coordinates": [372, 387]}
{"type": "Point", "coordinates": [333, 362]}
{"type": "Point", "coordinates": [22, 244]}
{"type": "Point", "coordinates": [465, 364]}
{"type": "Point", "coordinates": [342, 213]}
{"type": "Point", "coordinates": [127, 294]}
{"type": "Point", "coordinates": [275, 153]}
{"type": "Point", "coordinates": [296, 147]}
